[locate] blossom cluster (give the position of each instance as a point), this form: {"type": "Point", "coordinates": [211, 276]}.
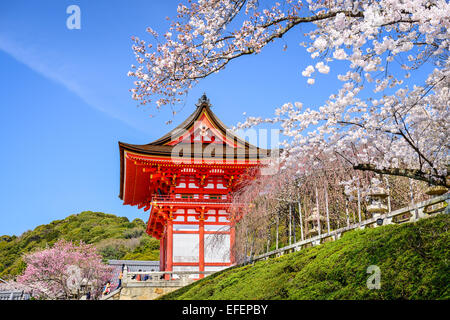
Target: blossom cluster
{"type": "Point", "coordinates": [392, 108]}
{"type": "Point", "coordinates": [54, 272]}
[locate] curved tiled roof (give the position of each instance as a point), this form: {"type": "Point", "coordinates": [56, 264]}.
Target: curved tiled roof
{"type": "Point", "coordinates": [202, 105]}
{"type": "Point", "coordinates": [161, 147]}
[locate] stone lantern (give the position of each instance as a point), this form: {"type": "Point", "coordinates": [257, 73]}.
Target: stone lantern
{"type": "Point", "coordinates": [313, 225]}
{"type": "Point", "coordinates": [376, 206]}
{"type": "Point", "coordinates": [435, 191]}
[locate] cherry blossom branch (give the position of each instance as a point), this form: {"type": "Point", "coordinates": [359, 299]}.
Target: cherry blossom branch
{"type": "Point", "coordinates": [410, 173]}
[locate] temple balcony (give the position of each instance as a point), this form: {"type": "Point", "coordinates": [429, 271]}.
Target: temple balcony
{"type": "Point", "coordinates": [192, 199]}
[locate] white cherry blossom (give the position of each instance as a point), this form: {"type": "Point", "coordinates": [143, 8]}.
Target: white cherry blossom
{"type": "Point", "coordinates": [390, 114]}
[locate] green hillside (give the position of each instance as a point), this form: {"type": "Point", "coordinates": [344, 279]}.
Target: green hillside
{"type": "Point", "coordinates": [413, 259]}
{"type": "Point", "coordinates": [115, 237]}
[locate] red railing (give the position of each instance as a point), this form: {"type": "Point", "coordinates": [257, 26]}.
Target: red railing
{"type": "Point", "coordinates": [177, 198]}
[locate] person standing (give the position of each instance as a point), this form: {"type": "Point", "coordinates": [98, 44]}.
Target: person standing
{"type": "Point", "coordinates": [120, 277]}
{"type": "Point", "coordinates": [138, 277]}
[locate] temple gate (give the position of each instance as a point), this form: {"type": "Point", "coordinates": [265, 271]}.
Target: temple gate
{"type": "Point", "coordinates": [186, 181]}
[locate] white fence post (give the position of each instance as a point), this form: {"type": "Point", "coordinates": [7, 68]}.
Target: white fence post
{"type": "Point", "coordinates": [318, 211]}
{"type": "Point", "coordinates": [300, 216]}
{"type": "Point", "coordinates": [359, 204]}
{"type": "Point", "coordinates": [326, 208]}
{"type": "Point", "coordinates": [346, 212]}
{"type": "Point", "coordinates": [389, 194]}
{"type": "Point", "coordinates": [290, 224]}
{"type": "Point", "coordinates": [278, 221]}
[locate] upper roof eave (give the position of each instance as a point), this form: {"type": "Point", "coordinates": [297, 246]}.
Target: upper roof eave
{"type": "Point", "coordinates": [166, 150]}
{"type": "Point", "coordinates": [189, 122]}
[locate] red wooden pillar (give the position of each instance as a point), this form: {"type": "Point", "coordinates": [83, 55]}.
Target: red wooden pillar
{"type": "Point", "coordinates": [201, 246]}
{"type": "Point", "coordinates": [169, 248]}
{"type": "Point", "coordinates": [162, 249]}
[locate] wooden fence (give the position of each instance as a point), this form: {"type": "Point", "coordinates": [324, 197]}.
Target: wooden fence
{"type": "Point", "coordinates": [407, 214]}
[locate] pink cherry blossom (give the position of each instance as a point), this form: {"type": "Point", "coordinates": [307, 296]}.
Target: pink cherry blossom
{"type": "Point", "coordinates": [390, 114]}
{"type": "Point", "coordinates": [54, 272]}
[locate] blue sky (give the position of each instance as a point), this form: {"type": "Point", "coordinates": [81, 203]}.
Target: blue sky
{"type": "Point", "coordinates": [64, 102]}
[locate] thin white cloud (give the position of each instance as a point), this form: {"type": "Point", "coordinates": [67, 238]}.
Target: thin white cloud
{"type": "Point", "coordinates": [51, 65]}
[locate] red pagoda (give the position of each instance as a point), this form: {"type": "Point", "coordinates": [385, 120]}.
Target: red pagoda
{"type": "Point", "coordinates": [186, 180]}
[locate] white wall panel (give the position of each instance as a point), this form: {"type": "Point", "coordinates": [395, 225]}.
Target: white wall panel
{"type": "Point", "coordinates": [217, 248]}
{"type": "Point", "coordinates": [185, 247]}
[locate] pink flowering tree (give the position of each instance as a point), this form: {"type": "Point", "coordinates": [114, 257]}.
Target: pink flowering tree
{"type": "Point", "coordinates": [58, 272]}
{"type": "Point", "coordinates": [390, 115]}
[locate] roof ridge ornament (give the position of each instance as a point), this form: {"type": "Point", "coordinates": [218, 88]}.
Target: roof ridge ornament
{"type": "Point", "coordinates": [203, 101]}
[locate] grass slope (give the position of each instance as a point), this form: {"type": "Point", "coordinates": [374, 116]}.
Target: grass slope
{"type": "Point", "coordinates": [115, 238]}
{"type": "Point", "coordinates": [413, 258]}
